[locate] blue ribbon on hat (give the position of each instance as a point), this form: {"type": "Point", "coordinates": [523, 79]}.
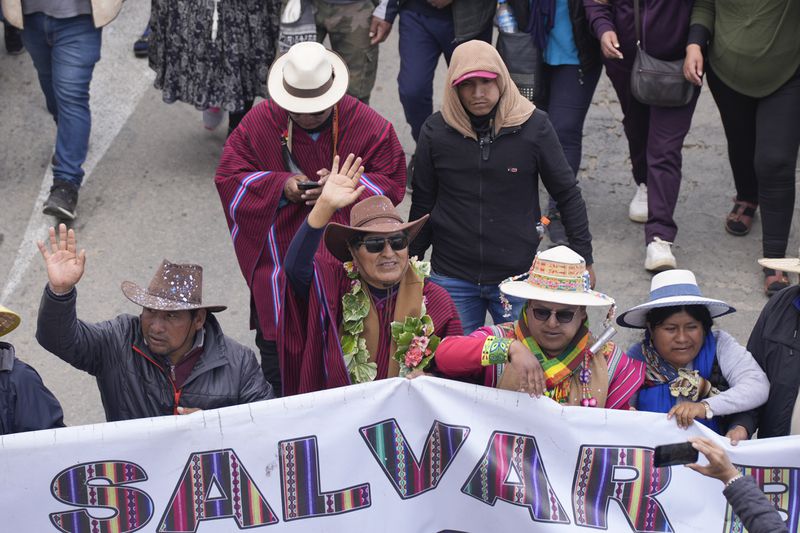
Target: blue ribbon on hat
{"type": "Point", "coordinates": [678, 289]}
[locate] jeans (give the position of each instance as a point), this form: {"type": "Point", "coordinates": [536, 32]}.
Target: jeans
{"type": "Point", "coordinates": [422, 40]}
{"type": "Point", "coordinates": [473, 300]}
{"type": "Point", "coordinates": [64, 52]}
{"type": "Point", "coordinates": [567, 98]}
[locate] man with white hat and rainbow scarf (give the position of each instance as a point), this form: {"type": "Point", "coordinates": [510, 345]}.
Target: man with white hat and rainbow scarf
{"type": "Point", "coordinates": [549, 349]}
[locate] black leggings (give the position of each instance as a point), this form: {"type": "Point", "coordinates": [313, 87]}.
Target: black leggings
{"type": "Point", "coordinates": [763, 138]}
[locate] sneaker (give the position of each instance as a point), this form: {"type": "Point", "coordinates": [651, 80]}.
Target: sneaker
{"type": "Point", "coordinates": [62, 200]}
{"type": "Point", "coordinates": [212, 118]}
{"type": "Point", "coordinates": [13, 39]}
{"type": "Point", "coordinates": [141, 46]}
{"type": "Point", "coordinates": [659, 256]}
{"type": "Point", "coordinates": [637, 210]}
{"type": "Point", "coordinates": [555, 229]}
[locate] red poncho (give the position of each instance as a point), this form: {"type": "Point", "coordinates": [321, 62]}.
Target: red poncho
{"type": "Point", "coordinates": [309, 348]}
{"type": "Point", "coordinates": [251, 176]}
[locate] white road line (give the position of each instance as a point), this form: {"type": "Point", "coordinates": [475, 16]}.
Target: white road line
{"type": "Point", "coordinates": [114, 96]}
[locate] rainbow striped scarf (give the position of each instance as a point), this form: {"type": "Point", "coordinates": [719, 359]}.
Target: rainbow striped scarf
{"type": "Point", "coordinates": [556, 369]}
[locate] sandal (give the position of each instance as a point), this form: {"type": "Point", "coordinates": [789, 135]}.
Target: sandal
{"type": "Point", "coordinates": [774, 281]}
{"type": "Point", "coordinates": [740, 219]}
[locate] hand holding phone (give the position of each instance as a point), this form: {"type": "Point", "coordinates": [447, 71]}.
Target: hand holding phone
{"type": "Point", "coordinates": [308, 185]}
{"type": "Point", "coordinates": [674, 454]}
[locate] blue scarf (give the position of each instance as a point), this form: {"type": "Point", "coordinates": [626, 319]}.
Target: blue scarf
{"type": "Point", "coordinates": [654, 395]}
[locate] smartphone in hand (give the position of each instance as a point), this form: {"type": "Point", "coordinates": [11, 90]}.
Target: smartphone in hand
{"type": "Point", "coordinates": [674, 454]}
{"type": "Point", "coordinates": [308, 185]}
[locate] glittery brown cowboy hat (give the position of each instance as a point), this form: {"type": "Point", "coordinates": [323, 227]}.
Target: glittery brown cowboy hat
{"type": "Point", "coordinates": [174, 287]}
{"type": "Point", "coordinates": [307, 79]}
{"type": "Point", "coordinates": [8, 320]}
{"type": "Point", "coordinates": [375, 214]}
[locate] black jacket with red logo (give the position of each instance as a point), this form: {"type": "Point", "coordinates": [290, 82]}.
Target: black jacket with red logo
{"type": "Point", "coordinates": [483, 198]}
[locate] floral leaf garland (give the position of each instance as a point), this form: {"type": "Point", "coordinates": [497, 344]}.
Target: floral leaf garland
{"type": "Point", "coordinates": [355, 308]}
{"type": "Point", "coordinates": [414, 338]}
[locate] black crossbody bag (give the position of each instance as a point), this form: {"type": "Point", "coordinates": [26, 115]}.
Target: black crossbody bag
{"type": "Point", "coordinates": [654, 81]}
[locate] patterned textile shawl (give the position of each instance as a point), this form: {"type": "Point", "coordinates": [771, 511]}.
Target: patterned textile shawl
{"type": "Point", "coordinates": [558, 368]}
{"type": "Point", "coordinates": [655, 394]}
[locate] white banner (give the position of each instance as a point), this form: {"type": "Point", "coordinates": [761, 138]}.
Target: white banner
{"type": "Point", "coordinates": [407, 456]}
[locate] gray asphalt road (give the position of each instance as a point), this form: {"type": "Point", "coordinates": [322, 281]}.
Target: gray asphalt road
{"type": "Point", "coordinates": [149, 195]}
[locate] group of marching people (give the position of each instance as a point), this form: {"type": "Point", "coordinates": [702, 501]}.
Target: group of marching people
{"type": "Point", "coordinates": [309, 181]}
{"type": "Point", "coordinates": [340, 297]}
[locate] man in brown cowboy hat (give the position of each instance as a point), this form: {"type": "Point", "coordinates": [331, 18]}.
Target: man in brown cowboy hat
{"type": "Point", "coordinates": [25, 403]}
{"type": "Point", "coordinates": [171, 359]}
{"type": "Point", "coordinates": [275, 161]}
{"type": "Point", "coordinates": [339, 319]}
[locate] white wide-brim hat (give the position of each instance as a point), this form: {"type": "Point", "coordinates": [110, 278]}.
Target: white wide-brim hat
{"type": "Point", "coordinates": [786, 264]}
{"type": "Point", "coordinates": [670, 289]}
{"type": "Point", "coordinates": [557, 275]}
{"type": "Point", "coordinates": [307, 79]}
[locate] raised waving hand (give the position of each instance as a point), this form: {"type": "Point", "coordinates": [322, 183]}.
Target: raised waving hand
{"type": "Point", "coordinates": [65, 265]}
{"type": "Point", "coordinates": [340, 190]}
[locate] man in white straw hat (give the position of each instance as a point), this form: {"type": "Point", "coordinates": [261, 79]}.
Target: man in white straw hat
{"type": "Point", "coordinates": [549, 348]}
{"type": "Point", "coordinates": [275, 162]}
{"type": "Point", "coordinates": [25, 403]}
{"type": "Point", "coordinates": [775, 345]}
{"type": "Point", "coordinates": [171, 359]}
{"type": "Point", "coordinates": [692, 372]}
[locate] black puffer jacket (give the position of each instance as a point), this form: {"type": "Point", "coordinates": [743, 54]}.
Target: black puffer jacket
{"type": "Point", "coordinates": [25, 403]}
{"type": "Point", "coordinates": [133, 382]}
{"type": "Point", "coordinates": [775, 345]}
{"type": "Point", "coordinates": [483, 198]}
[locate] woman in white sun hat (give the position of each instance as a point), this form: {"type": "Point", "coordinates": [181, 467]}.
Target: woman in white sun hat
{"type": "Point", "coordinates": [692, 371]}
{"type": "Point", "coordinates": [549, 349]}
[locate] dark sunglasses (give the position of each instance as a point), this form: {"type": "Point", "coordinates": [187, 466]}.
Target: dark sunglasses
{"type": "Point", "coordinates": [375, 245]}
{"type": "Point", "coordinates": [543, 315]}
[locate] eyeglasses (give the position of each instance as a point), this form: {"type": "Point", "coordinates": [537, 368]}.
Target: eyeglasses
{"type": "Point", "coordinates": [375, 245]}
{"type": "Point", "coordinates": [543, 315]}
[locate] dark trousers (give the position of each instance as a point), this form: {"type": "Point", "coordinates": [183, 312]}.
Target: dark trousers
{"type": "Point", "coordinates": [422, 40]}
{"type": "Point", "coordinates": [567, 96]}
{"type": "Point", "coordinates": [235, 117]}
{"type": "Point", "coordinates": [270, 364]}
{"type": "Point", "coordinates": [655, 138]}
{"type": "Point", "coordinates": [763, 137]}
